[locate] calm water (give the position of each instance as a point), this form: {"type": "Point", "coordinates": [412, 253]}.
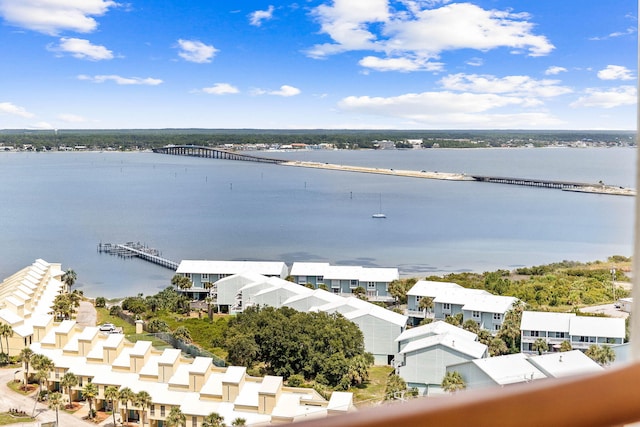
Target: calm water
{"type": "Point", "coordinates": [58, 206]}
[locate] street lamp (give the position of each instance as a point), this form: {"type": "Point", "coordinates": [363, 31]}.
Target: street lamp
{"type": "Point", "coordinates": [613, 283]}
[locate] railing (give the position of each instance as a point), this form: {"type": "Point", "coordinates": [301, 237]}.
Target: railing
{"type": "Point", "coordinates": [608, 399]}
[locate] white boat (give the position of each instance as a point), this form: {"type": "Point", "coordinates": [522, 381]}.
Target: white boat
{"type": "Point", "coordinates": [379, 214]}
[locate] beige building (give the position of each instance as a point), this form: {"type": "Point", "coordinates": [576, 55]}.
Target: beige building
{"type": "Point", "coordinates": [196, 386]}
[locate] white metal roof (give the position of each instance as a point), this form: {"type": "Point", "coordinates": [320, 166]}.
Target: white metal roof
{"type": "Point", "coordinates": [610, 327]}
{"type": "Point", "coordinates": [343, 272]}
{"type": "Point", "coordinates": [308, 268]}
{"type": "Point", "coordinates": [378, 274]}
{"type": "Point", "coordinates": [380, 313]}
{"type": "Point", "coordinates": [435, 328]}
{"type": "Point", "coordinates": [268, 268]}
{"type": "Point", "coordinates": [490, 304]}
{"type": "Point", "coordinates": [545, 321]}
{"type": "Point", "coordinates": [459, 296]}
{"type": "Point", "coordinates": [429, 288]}
{"type": "Point", "coordinates": [454, 342]}
{"type": "Point", "coordinates": [565, 363]}
{"type": "Point", "coordinates": [509, 369]}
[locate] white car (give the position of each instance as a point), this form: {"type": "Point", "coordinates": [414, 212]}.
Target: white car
{"type": "Point", "coordinates": [107, 327]}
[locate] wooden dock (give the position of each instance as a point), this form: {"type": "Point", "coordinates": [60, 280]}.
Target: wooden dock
{"type": "Point", "coordinates": [138, 250]}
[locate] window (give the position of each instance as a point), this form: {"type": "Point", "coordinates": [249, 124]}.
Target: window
{"type": "Point", "coordinates": [205, 277]}
{"type": "Point", "coordinates": [371, 285]}
{"type": "Point", "coordinates": [152, 410]}
{"type": "Point", "coordinates": [534, 333]}
{"type": "Point", "coordinates": [187, 275]}
{"type": "Point", "coordinates": [497, 316]}
{"type": "Point", "coordinates": [320, 279]}
{"type": "Point", "coordinates": [194, 421]}
{"type": "Point", "coordinates": [560, 334]}
{"type": "Point", "coordinates": [353, 284]}
{"type": "Point", "coordinates": [496, 327]}
{"type": "Point", "coordinates": [446, 306]}
{"type": "Point", "coordinates": [476, 314]}
{"type": "Point", "coordinates": [162, 410]}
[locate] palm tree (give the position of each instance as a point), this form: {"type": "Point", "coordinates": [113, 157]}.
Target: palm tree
{"type": "Point", "coordinates": [143, 400]}
{"type": "Point", "coordinates": [239, 422]}
{"type": "Point", "coordinates": [540, 346]}
{"type": "Point", "coordinates": [213, 420]}
{"type": "Point", "coordinates": [112, 394]}
{"type": "Point", "coordinates": [426, 304]}
{"type": "Point", "coordinates": [176, 418]}
{"type": "Point", "coordinates": [126, 396]}
{"type": "Point", "coordinates": [453, 382]}
{"type": "Point", "coordinates": [6, 331]}
{"type": "Point", "coordinates": [56, 403]}
{"type": "Point", "coordinates": [69, 278]}
{"type": "Point", "coordinates": [25, 357]}
{"type": "Point", "coordinates": [44, 366]}
{"type": "Point", "coordinates": [90, 391]}
{"type": "Point", "coordinates": [68, 381]}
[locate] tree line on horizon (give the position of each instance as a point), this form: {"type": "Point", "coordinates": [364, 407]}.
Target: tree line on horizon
{"type": "Point", "coordinates": [343, 139]}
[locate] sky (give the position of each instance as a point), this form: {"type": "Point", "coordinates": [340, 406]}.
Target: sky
{"type": "Point", "coordinates": [318, 64]}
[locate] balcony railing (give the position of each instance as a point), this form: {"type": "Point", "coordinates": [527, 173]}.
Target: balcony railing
{"type": "Point", "coordinates": [608, 399]}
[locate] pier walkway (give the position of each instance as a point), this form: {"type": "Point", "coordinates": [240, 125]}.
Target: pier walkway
{"type": "Point", "coordinates": [217, 153]}
{"type": "Point", "coordinates": [131, 249]}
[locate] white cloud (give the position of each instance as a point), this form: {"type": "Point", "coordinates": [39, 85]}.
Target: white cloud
{"type": "Point", "coordinates": [53, 16]}
{"type": "Point", "coordinates": [121, 80]}
{"type": "Point", "coordinates": [71, 118]}
{"type": "Point", "coordinates": [256, 18]}
{"type": "Point", "coordinates": [475, 62]}
{"type": "Point", "coordinates": [554, 69]}
{"type": "Point", "coordinates": [10, 108]}
{"type": "Point", "coordinates": [41, 125]}
{"type": "Point", "coordinates": [448, 109]}
{"type": "Point", "coordinates": [607, 98]}
{"type": "Point", "coordinates": [220, 89]}
{"type": "Point", "coordinates": [196, 51]}
{"type": "Point", "coordinates": [512, 85]}
{"type": "Point", "coordinates": [615, 72]}
{"type": "Point", "coordinates": [419, 32]}
{"type": "Point", "coordinates": [285, 90]}
{"type": "Point", "coordinates": [629, 31]}
{"type": "Point", "coordinates": [400, 64]}
{"type": "Point", "coordinates": [82, 49]}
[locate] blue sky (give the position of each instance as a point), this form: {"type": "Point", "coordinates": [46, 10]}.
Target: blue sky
{"type": "Point", "coordinates": [333, 64]}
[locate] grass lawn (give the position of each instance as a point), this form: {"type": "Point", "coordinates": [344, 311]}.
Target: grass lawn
{"type": "Point", "coordinates": [7, 418]}
{"type": "Point", "coordinates": [372, 392]}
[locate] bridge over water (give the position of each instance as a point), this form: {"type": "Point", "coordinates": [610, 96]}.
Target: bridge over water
{"type": "Point", "coordinates": [218, 153]}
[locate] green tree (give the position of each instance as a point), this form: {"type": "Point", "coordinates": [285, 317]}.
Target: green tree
{"type": "Point", "coordinates": [396, 387]}
{"type": "Point", "coordinates": [426, 304]}
{"type": "Point", "coordinates": [25, 357]}
{"type": "Point", "coordinates": [565, 346]}
{"type": "Point", "coordinates": [470, 325]}
{"type": "Point", "coordinates": [453, 382]}
{"type": "Point", "coordinates": [359, 292]}
{"type": "Point", "coordinates": [6, 331]}
{"type": "Point", "coordinates": [455, 320]}
{"type": "Point", "coordinates": [143, 400]}
{"type": "Point", "coordinates": [181, 282]}
{"type": "Point", "coordinates": [176, 418]}
{"type": "Point", "coordinates": [603, 355]}
{"type": "Point", "coordinates": [242, 349]}
{"type": "Point", "coordinates": [398, 289]}
{"type": "Point", "coordinates": [510, 330]}
{"type": "Point", "coordinates": [56, 403]}
{"type": "Point", "coordinates": [89, 392]}
{"type": "Point", "coordinates": [497, 347]}
{"type": "Point", "coordinates": [213, 420]}
{"type": "Point", "coordinates": [112, 394]}
{"type": "Point", "coordinates": [540, 346]}
{"type": "Point", "coordinates": [43, 366]}
{"type": "Point", "coordinates": [67, 382]}
{"type": "Point", "coordinates": [101, 302]}
{"type": "Point", "coordinates": [126, 395]}
{"type": "Point", "coordinates": [69, 278]}
{"type": "Point", "coordinates": [157, 325]}
{"type": "Point", "coordinates": [181, 333]}
{"type": "Point", "coordinates": [239, 422]}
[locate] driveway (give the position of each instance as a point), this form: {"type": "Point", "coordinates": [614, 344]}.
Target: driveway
{"type": "Point", "coordinates": [86, 315]}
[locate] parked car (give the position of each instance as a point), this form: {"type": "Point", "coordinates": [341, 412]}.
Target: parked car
{"type": "Point", "coordinates": [107, 327]}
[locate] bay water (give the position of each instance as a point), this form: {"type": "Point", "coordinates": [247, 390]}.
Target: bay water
{"type": "Point", "coordinates": [58, 206]}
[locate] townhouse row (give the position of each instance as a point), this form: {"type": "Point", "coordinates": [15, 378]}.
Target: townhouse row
{"type": "Point", "coordinates": [196, 386]}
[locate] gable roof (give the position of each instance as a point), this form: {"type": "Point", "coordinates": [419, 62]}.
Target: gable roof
{"type": "Point", "coordinates": [610, 327]}
{"type": "Point", "coordinates": [490, 304]}
{"type": "Point", "coordinates": [564, 364]}
{"type": "Point", "coordinates": [545, 321]}
{"type": "Point", "coordinates": [509, 369]}
{"type": "Point", "coordinates": [435, 328]}
{"type": "Point", "coordinates": [428, 288]}
{"type": "Point", "coordinates": [454, 342]}
{"type": "Point", "coordinates": [267, 268]}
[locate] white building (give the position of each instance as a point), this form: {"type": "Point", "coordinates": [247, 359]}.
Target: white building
{"type": "Point", "coordinates": [497, 371]}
